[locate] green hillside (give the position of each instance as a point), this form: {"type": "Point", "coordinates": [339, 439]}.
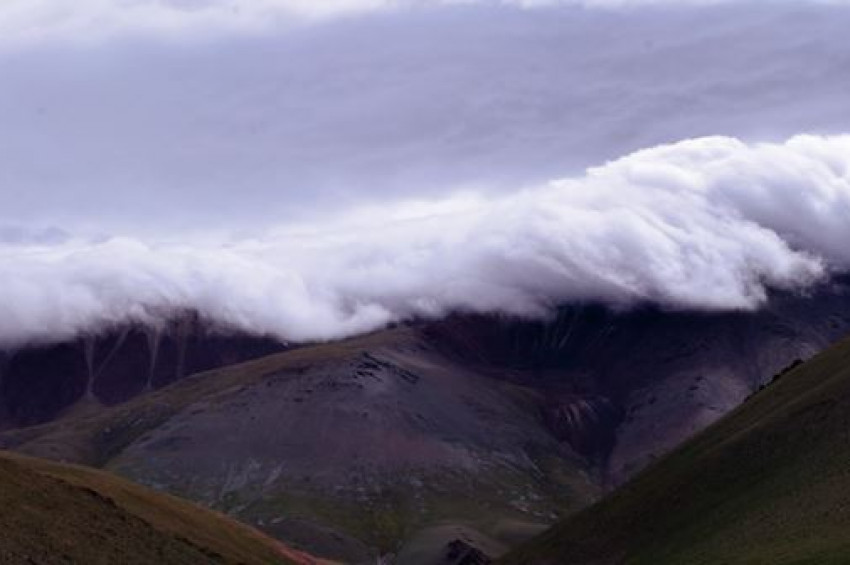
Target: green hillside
{"type": "Point", "coordinates": [54, 513]}
{"type": "Point", "coordinates": [770, 483]}
{"type": "Point", "coordinates": [376, 445]}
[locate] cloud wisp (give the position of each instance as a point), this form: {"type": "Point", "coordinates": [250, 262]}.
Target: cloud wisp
{"type": "Point", "coordinates": [708, 223]}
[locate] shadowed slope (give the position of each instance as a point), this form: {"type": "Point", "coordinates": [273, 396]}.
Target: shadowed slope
{"type": "Point", "coordinates": [40, 382]}
{"type": "Point", "coordinates": [767, 484]}
{"type": "Point", "coordinates": [55, 513]}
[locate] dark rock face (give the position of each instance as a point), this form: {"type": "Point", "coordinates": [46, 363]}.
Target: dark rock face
{"type": "Point", "coordinates": [622, 388]}
{"type": "Point", "coordinates": [37, 383]}
{"type": "Point", "coordinates": [459, 552]}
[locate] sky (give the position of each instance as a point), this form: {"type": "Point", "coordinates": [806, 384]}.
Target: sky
{"type": "Point", "coordinates": [315, 169]}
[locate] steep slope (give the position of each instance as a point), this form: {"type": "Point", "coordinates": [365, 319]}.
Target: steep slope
{"type": "Point", "coordinates": [53, 513]}
{"type": "Point", "coordinates": [348, 449]}
{"type": "Point", "coordinates": [767, 484]}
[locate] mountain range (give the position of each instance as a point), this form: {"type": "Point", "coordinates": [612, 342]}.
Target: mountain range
{"type": "Point", "coordinates": [421, 443]}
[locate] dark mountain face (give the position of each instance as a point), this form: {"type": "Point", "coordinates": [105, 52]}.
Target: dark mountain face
{"type": "Point", "coordinates": [37, 383]}
{"type": "Point", "coordinates": [622, 388]}
{"type": "Point", "coordinates": [362, 447]}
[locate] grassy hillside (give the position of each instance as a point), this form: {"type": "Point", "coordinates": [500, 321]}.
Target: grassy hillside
{"type": "Point", "coordinates": [55, 513]}
{"type": "Point", "coordinates": [770, 483]}
{"type": "Point", "coordinates": [347, 450]}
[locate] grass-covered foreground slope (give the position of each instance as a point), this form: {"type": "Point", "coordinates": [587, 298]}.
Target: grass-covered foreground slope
{"type": "Point", "coordinates": [55, 513]}
{"type": "Point", "coordinates": [350, 450]}
{"type": "Point", "coordinates": [770, 483]}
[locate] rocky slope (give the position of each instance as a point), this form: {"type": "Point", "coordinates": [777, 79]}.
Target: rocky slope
{"type": "Point", "coordinates": [348, 449]}
{"type": "Point", "coordinates": [624, 388]}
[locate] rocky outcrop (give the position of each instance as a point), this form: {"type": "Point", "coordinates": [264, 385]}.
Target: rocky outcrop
{"type": "Point", "coordinates": [587, 423]}
{"type": "Point", "coordinates": [460, 552]}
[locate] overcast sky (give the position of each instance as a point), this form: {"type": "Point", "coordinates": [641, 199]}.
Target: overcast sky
{"type": "Point", "coordinates": [144, 115]}
{"type": "Point", "coordinates": [193, 138]}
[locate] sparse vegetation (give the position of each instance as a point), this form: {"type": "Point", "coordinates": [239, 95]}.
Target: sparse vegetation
{"type": "Point", "coordinates": [53, 513]}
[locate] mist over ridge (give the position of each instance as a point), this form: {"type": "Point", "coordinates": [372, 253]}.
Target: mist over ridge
{"type": "Point", "coordinates": [705, 224]}
{"type": "Point", "coordinates": [315, 173]}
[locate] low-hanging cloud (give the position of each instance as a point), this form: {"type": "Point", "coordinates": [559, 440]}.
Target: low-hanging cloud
{"type": "Point", "coordinates": [709, 223]}
{"type": "Point", "coordinates": [312, 170]}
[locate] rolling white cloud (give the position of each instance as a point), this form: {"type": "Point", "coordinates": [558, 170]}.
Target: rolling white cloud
{"type": "Point", "coordinates": [312, 170]}
{"type": "Point", "coordinates": [708, 223]}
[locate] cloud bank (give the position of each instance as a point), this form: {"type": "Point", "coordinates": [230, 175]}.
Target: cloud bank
{"type": "Point", "coordinates": [312, 170]}
{"type": "Point", "coordinates": [708, 223]}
